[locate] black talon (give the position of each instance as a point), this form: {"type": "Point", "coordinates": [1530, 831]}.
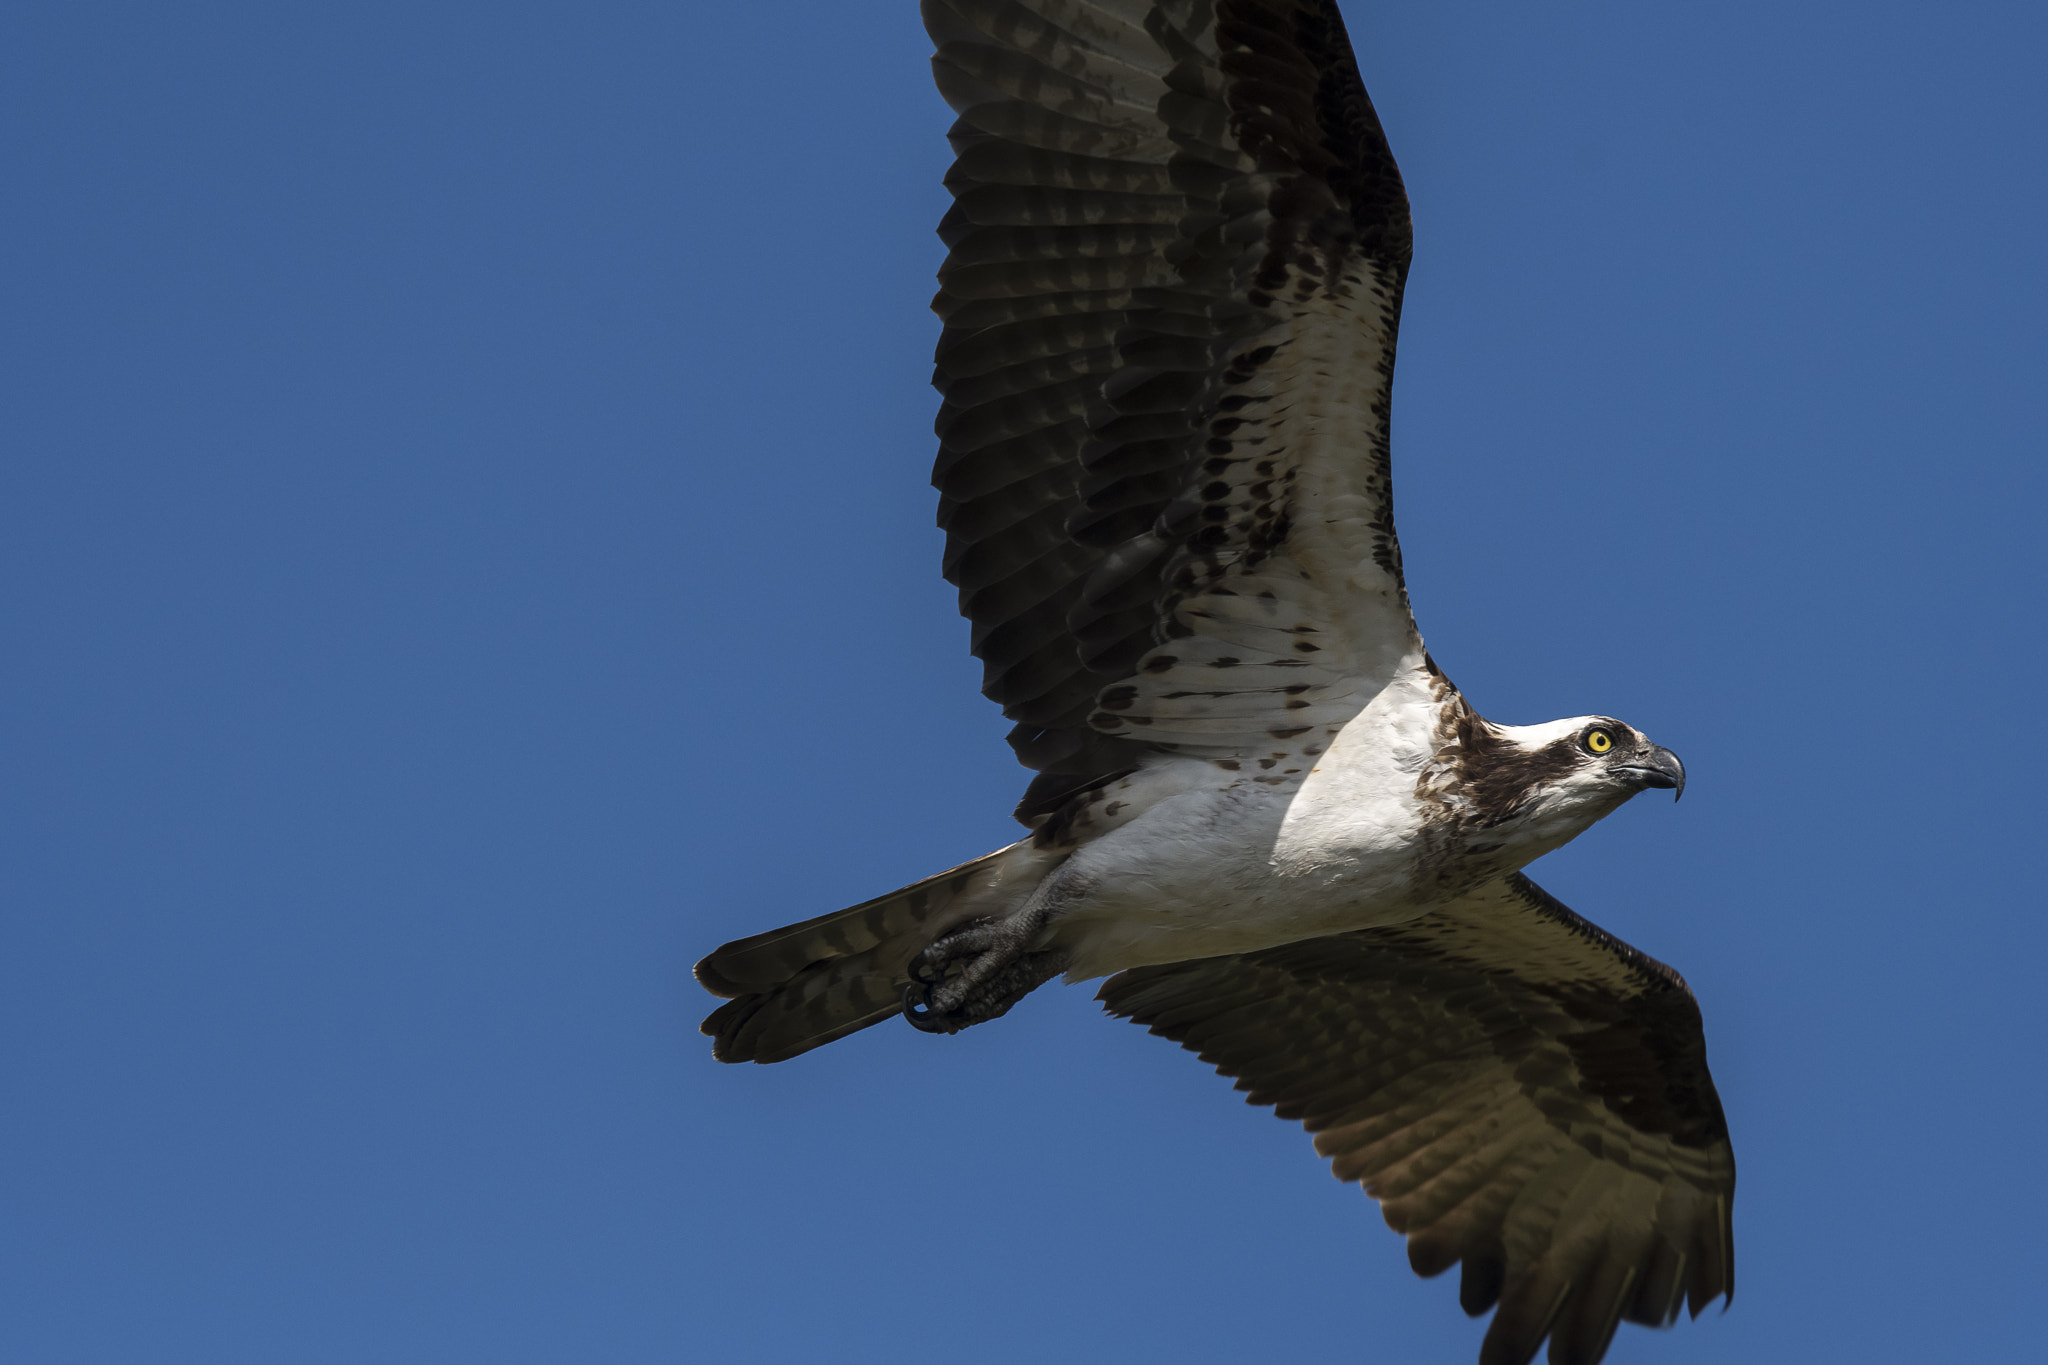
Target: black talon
{"type": "Point", "coordinates": [925, 974]}
{"type": "Point", "coordinates": [917, 1009]}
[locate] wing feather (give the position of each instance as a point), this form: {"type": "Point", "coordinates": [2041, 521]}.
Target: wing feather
{"type": "Point", "coordinates": [1519, 1091]}
{"type": "Point", "coordinates": [1177, 248]}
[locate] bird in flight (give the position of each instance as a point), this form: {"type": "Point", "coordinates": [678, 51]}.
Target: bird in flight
{"type": "Point", "coordinates": [1173, 281]}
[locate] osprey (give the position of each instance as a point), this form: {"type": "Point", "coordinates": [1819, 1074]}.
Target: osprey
{"type": "Point", "coordinates": [1175, 262]}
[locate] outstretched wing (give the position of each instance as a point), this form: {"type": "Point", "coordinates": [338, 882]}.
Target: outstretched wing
{"type": "Point", "coordinates": [1177, 250]}
{"type": "Point", "coordinates": [1519, 1090]}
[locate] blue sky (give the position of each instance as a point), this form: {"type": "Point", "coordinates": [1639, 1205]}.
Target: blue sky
{"type": "Point", "coordinates": [466, 552]}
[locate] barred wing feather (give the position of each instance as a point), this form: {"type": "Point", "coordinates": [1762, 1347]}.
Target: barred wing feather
{"type": "Point", "coordinates": [1176, 255]}
{"type": "Point", "coordinates": [1518, 1089]}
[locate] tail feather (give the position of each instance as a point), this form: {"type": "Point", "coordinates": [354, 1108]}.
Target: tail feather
{"type": "Point", "coordinates": [802, 986]}
{"type": "Point", "coordinates": [823, 1002]}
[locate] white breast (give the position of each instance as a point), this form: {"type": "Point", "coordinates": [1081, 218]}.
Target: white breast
{"type": "Point", "coordinates": [1356, 817]}
{"type": "Point", "coordinates": [1229, 863]}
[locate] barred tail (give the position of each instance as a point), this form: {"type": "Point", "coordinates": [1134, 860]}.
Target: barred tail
{"type": "Point", "coordinates": [800, 987]}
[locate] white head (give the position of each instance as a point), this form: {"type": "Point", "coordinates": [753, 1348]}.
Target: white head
{"type": "Point", "coordinates": [1540, 786]}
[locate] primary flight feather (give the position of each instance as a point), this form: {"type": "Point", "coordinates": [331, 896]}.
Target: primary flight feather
{"type": "Point", "coordinates": [1170, 300]}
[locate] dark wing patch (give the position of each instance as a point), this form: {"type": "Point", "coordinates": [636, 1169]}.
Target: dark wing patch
{"type": "Point", "coordinates": [1177, 247]}
{"type": "Point", "coordinates": [1519, 1090]}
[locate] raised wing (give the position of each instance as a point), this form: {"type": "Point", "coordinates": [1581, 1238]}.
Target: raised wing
{"type": "Point", "coordinates": [1177, 250]}
{"type": "Point", "coordinates": [1518, 1089]}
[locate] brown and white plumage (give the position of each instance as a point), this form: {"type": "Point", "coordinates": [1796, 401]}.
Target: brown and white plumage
{"type": "Point", "coordinates": [1177, 248]}
{"type": "Point", "coordinates": [1170, 301]}
{"type": "Point", "coordinates": [1521, 1091]}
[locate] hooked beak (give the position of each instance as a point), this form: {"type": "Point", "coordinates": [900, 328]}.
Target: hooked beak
{"type": "Point", "coordinates": [1658, 768]}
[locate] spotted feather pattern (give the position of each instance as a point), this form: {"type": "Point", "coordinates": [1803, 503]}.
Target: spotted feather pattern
{"type": "Point", "coordinates": [1176, 254]}
{"type": "Point", "coordinates": [1518, 1089]}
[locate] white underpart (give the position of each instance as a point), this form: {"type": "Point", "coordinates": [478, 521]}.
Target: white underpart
{"type": "Point", "coordinates": [1353, 823]}
{"type": "Point", "coordinates": [1227, 863]}
{"type": "Point", "coordinates": [1200, 860]}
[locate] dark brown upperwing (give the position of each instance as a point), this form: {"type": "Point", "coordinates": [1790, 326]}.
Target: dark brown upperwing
{"type": "Point", "coordinates": [1143, 189]}
{"type": "Point", "coordinates": [1519, 1090]}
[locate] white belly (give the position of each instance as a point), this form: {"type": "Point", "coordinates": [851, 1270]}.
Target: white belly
{"type": "Point", "coordinates": [1229, 859]}
{"type": "Point", "coordinates": [1212, 872]}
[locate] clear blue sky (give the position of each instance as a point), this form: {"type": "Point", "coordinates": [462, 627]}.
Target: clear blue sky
{"type": "Point", "coordinates": [466, 553]}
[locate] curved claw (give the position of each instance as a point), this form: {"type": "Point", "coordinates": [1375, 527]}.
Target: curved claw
{"type": "Point", "coordinates": [924, 973]}
{"type": "Point", "coordinates": [917, 1008]}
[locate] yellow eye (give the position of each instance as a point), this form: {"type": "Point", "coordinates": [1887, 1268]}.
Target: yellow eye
{"type": "Point", "coordinates": [1599, 741]}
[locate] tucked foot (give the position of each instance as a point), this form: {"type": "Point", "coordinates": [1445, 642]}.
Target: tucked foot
{"type": "Point", "coordinates": [990, 1000]}
{"type": "Point", "coordinates": [977, 972]}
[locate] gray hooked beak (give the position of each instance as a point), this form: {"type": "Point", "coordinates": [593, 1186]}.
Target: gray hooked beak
{"type": "Point", "coordinates": [1658, 768]}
